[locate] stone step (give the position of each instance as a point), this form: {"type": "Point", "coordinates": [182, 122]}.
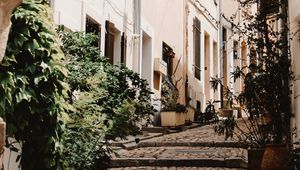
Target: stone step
{"type": "Point", "coordinates": [174, 168]}
{"type": "Point", "coordinates": [233, 144]}
{"type": "Point", "coordinates": [194, 162]}
{"type": "Point", "coordinates": [180, 157]}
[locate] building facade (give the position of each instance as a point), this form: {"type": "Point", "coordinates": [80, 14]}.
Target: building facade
{"type": "Point", "coordinates": [294, 16]}
{"type": "Point", "coordinates": [202, 49]}
{"type": "Point", "coordinates": [188, 41]}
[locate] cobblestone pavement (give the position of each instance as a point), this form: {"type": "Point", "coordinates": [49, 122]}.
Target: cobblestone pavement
{"type": "Point", "coordinates": [200, 134]}
{"type": "Point", "coordinates": [183, 152]}
{"type": "Point", "coordinates": [174, 168]}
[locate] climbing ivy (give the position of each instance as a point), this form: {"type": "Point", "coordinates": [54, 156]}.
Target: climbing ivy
{"type": "Point", "coordinates": [31, 86]}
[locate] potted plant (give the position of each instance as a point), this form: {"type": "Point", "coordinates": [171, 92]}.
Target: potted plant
{"type": "Point", "coordinates": [226, 100]}
{"type": "Point", "coordinates": [209, 114]}
{"type": "Point", "coordinates": [269, 85]}
{"type": "Point", "coordinates": [172, 113]}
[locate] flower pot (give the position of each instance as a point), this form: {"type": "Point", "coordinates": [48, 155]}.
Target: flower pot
{"type": "Point", "coordinates": [276, 157]}
{"type": "Point", "coordinates": [172, 118]}
{"type": "Point", "coordinates": [190, 115]}
{"type": "Point", "coordinates": [255, 156]}
{"type": "Point", "coordinates": [226, 112]}
{"type": "Point", "coordinates": [266, 119]}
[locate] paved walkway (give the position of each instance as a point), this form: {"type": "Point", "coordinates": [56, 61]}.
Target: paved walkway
{"type": "Point", "coordinates": [199, 147]}
{"type": "Point", "coordinates": [183, 152]}
{"type": "Point", "coordinates": [174, 168]}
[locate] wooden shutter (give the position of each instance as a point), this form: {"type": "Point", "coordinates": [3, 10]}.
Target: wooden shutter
{"type": "Point", "coordinates": [197, 48]}
{"type": "Point", "coordinates": [109, 41]}
{"type": "Point", "coordinates": [91, 26]}
{"type": "Point", "coordinates": [123, 48]}
{"type": "Point", "coordinates": [269, 7]}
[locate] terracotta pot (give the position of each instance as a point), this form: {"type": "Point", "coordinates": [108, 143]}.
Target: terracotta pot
{"type": "Point", "coordinates": [276, 157]}
{"type": "Point", "coordinates": [266, 119]}
{"type": "Point", "coordinates": [225, 112]}
{"type": "Point", "coordinates": [255, 156]}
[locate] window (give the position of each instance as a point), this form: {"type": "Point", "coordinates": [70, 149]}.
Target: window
{"type": "Point", "coordinates": [115, 44]}
{"type": "Point", "coordinates": [92, 26]}
{"type": "Point", "coordinates": [123, 48]}
{"type": "Point", "coordinates": [224, 38]}
{"type": "Point", "coordinates": [168, 56]}
{"type": "Point", "coordinates": [109, 41]}
{"type": "Point", "coordinates": [197, 48]}
{"type": "Point", "coordinates": [198, 107]}
{"type": "Point", "coordinates": [235, 50]}
{"type": "Point", "coordinates": [269, 7]}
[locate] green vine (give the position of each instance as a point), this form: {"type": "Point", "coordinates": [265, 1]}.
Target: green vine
{"type": "Point", "coordinates": [31, 86]}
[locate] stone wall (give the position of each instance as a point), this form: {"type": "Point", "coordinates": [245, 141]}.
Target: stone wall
{"type": "Point", "coordinates": [6, 8]}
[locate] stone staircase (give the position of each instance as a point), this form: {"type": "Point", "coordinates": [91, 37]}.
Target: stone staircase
{"type": "Point", "coordinates": [196, 148]}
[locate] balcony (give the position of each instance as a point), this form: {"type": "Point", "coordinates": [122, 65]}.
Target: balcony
{"type": "Point", "coordinates": [160, 66]}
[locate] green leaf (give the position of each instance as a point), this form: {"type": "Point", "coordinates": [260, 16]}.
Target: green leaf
{"type": "Point", "coordinates": [20, 40]}
{"type": "Point", "coordinates": [24, 31]}
{"type": "Point", "coordinates": [32, 46]}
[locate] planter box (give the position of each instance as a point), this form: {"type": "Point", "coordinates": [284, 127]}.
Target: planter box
{"type": "Point", "coordinates": [226, 112]}
{"type": "Point", "coordinates": [190, 116]}
{"type": "Point", "coordinates": [172, 118]}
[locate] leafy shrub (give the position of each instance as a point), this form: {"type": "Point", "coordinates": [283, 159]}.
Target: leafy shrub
{"type": "Point", "coordinates": [124, 87]}
{"type": "Point", "coordinates": [84, 137]}
{"type": "Point", "coordinates": [109, 101]}
{"type": "Point", "coordinates": [210, 113]}
{"type": "Point", "coordinates": [169, 97]}
{"type": "Point", "coordinates": [31, 79]}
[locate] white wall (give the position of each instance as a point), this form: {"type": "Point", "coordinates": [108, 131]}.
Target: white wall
{"type": "Point", "coordinates": [164, 20]}
{"type": "Point", "coordinates": [233, 12]}
{"type": "Point", "coordinates": [147, 58]}
{"type": "Point", "coordinates": [208, 26]}
{"type": "Point", "coordinates": [294, 12]}
{"type": "Point", "coordinates": [72, 14]}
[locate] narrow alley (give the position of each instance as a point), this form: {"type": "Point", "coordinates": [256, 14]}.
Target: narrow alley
{"type": "Point", "coordinates": [196, 148]}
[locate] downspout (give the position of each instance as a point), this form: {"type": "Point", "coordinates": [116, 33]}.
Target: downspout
{"type": "Point", "coordinates": [186, 44]}
{"type": "Point", "coordinates": [221, 50]}
{"type": "Point", "coordinates": [286, 82]}
{"type": "Point", "coordinates": [137, 36]}
{"type": "Point", "coordinates": [82, 17]}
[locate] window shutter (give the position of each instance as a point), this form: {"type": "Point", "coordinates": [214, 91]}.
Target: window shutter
{"type": "Point", "coordinates": [123, 48]}
{"type": "Point", "coordinates": [269, 7]}
{"type": "Point", "coordinates": [109, 41]}
{"type": "Point", "coordinates": [92, 26]}
{"type": "Point", "coordinates": [197, 48]}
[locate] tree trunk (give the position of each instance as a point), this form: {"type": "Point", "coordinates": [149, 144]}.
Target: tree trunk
{"type": "Point", "coordinates": [6, 8]}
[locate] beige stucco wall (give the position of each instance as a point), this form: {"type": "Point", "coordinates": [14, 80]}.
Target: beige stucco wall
{"type": "Point", "coordinates": [72, 14]}
{"type": "Point", "coordinates": [196, 87]}
{"type": "Point", "coordinates": [233, 12]}
{"type": "Point", "coordinates": [294, 12]}
{"type": "Point", "coordinates": [166, 20]}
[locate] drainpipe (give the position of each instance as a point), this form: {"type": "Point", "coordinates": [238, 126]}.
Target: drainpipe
{"type": "Point", "coordinates": [137, 36]}
{"type": "Point", "coordinates": [286, 82]}
{"type": "Point", "coordinates": [82, 15]}
{"type": "Point", "coordinates": [186, 44]}
{"type": "Point", "coordinates": [221, 50]}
